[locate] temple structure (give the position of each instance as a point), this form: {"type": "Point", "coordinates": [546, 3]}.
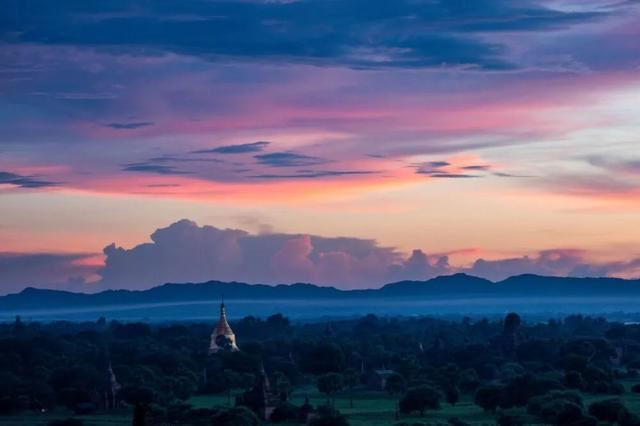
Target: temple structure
{"type": "Point", "coordinates": [111, 388]}
{"type": "Point", "coordinates": [261, 399]}
{"type": "Point", "coordinates": [222, 338]}
{"type": "Point", "coordinates": [510, 338]}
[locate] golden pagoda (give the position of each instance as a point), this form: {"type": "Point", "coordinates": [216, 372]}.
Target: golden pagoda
{"type": "Point", "coordinates": [222, 338]}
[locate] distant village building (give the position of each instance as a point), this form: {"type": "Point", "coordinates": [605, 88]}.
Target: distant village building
{"type": "Point", "coordinates": [378, 379]}
{"type": "Point", "coordinates": [222, 338]}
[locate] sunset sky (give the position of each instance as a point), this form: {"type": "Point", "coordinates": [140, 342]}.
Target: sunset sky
{"type": "Point", "coordinates": [348, 143]}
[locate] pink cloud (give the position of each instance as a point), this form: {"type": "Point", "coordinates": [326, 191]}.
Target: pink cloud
{"type": "Point", "coordinates": [291, 263]}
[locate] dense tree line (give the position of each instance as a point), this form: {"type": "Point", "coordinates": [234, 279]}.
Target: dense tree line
{"type": "Point", "coordinates": [542, 368]}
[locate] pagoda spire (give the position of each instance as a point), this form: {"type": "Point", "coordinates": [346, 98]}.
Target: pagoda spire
{"type": "Point", "coordinates": [222, 337]}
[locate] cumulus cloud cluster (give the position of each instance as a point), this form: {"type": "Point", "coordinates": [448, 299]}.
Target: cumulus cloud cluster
{"type": "Point", "coordinates": [185, 251]}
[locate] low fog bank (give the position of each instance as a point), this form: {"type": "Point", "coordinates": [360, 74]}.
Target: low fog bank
{"type": "Point", "coordinates": [621, 309]}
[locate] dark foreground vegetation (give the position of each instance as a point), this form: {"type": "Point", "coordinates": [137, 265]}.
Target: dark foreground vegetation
{"type": "Point", "coordinates": [370, 371]}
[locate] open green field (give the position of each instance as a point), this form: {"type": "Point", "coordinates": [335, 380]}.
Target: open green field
{"type": "Point", "coordinates": [378, 409]}
{"type": "Point", "coordinates": [369, 409]}
{"type": "Point", "coordinates": [118, 419]}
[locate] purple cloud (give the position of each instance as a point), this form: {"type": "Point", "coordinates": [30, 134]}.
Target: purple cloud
{"type": "Point", "coordinates": [44, 270]}
{"type": "Point", "coordinates": [558, 262]}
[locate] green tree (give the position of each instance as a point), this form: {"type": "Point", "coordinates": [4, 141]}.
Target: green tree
{"type": "Point", "coordinates": [328, 417]}
{"type": "Point", "coordinates": [351, 380]}
{"type": "Point", "coordinates": [330, 384]}
{"type": "Point", "coordinates": [609, 410]}
{"type": "Point", "coordinates": [238, 416]}
{"type": "Point", "coordinates": [322, 358]}
{"type": "Point", "coordinates": [71, 421]}
{"type": "Point", "coordinates": [452, 395]}
{"type": "Point", "coordinates": [573, 380]}
{"type": "Point", "coordinates": [561, 411]}
{"type": "Point", "coordinates": [133, 395]}
{"type": "Point", "coordinates": [419, 399]}
{"type": "Point", "coordinates": [231, 380]}
{"type": "Point", "coordinates": [141, 415]}
{"type": "Point", "coordinates": [468, 380]}
{"type": "Point", "coordinates": [395, 385]}
{"type": "Point", "coordinates": [278, 323]}
{"type": "Point", "coordinates": [10, 401]}
{"type": "Point", "coordinates": [183, 386]}
{"type": "Point", "coordinates": [488, 397]}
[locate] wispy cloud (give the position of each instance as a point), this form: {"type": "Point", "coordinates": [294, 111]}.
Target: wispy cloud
{"type": "Point", "coordinates": [288, 159]}
{"type": "Point", "coordinates": [178, 159]}
{"type": "Point", "coordinates": [153, 168]}
{"type": "Point", "coordinates": [435, 164]}
{"type": "Point", "coordinates": [311, 174]}
{"type": "Point", "coordinates": [626, 166]}
{"type": "Point", "coordinates": [163, 185]}
{"type": "Point", "coordinates": [449, 175]}
{"type": "Point", "coordinates": [130, 125]}
{"type": "Point", "coordinates": [480, 167]}
{"type": "Point", "coordinates": [448, 170]}
{"type": "Point", "coordinates": [8, 178]}
{"type": "Point", "coordinates": [236, 149]}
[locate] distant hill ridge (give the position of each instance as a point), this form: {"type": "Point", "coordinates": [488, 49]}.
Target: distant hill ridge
{"type": "Point", "coordinates": [449, 286]}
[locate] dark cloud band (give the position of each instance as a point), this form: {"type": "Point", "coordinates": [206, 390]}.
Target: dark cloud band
{"type": "Point", "coordinates": [9, 178]}
{"type": "Point", "coordinates": [235, 149]}
{"type": "Point", "coordinates": [129, 126]}
{"type": "Point", "coordinates": [288, 159]}
{"type": "Point", "coordinates": [354, 33]}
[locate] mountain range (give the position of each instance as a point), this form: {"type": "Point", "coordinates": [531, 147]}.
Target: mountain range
{"type": "Point", "coordinates": [458, 286]}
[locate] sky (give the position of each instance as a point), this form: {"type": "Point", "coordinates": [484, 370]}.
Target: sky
{"type": "Point", "coordinates": [344, 143]}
